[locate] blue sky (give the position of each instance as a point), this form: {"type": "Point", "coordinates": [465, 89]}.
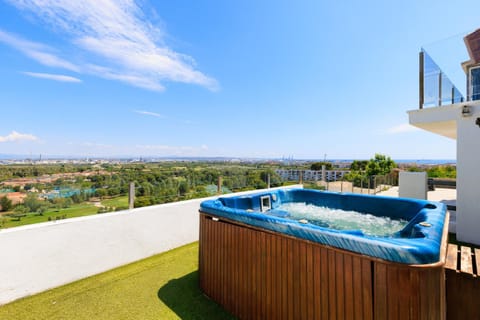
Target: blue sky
{"type": "Point", "coordinates": [219, 78]}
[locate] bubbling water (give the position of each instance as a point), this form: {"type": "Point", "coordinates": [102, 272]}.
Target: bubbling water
{"type": "Point", "coordinates": [343, 220]}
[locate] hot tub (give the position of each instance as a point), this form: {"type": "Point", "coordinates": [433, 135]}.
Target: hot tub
{"type": "Point", "coordinates": [260, 261]}
{"type": "Point", "coordinates": [419, 242]}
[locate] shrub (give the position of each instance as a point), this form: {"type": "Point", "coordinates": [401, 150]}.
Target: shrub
{"type": "Point", "coordinates": [3, 221]}
{"type": "Point", "coordinates": [5, 204]}
{"type": "Point", "coordinates": [102, 210]}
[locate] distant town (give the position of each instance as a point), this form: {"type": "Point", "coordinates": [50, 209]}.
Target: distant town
{"type": "Point", "coordinates": [43, 189]}
{"type": "Point", "coordinates": [337, 163]}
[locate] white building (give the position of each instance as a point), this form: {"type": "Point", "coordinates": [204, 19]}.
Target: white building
{"type": "Point", "coordinates": [311, 175]}
{"type": "Point", "coordinates": [452, 118]}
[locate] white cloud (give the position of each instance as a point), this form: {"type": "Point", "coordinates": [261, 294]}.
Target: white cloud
{"type": "Point", "coordinates": [125, 45]}
{"type": "Point", "coordinates": [402, 128]}
{"type": "Point", "coordinates": [148, 113]}
{"type": "Point", "coordinates": [15, 136]}
{"type": "Point", "coordinates": [55, 77]}
{"type": "Point", "coordinates": [37, 51]}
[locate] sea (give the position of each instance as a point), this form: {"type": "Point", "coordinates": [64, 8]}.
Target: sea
{"type": "Point", "coordinates": [428, 161]}
{"type": "Point", "coordinates": [418, 162]}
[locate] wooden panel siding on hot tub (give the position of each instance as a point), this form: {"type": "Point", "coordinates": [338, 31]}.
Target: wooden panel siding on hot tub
{"type": "Point", "coordinates": [259, 263]}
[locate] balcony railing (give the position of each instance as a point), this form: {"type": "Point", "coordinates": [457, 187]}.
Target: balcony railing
{"type": "Point", "coordinates": [458, 57]}
{"type": "Point", "coordinates": [435, 88]}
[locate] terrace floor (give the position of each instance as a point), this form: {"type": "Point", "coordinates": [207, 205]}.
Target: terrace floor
{"type": "Point", "coordinates": [443, 195]}
{"type": "Point", "coordinates": [164, 286]}
{"type": "Point", "coordinates": [447, 196]}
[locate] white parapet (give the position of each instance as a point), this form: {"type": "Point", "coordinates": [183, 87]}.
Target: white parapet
{"type": "Point", "coordinates": [412, 185]}
{"type": "Point", "coordinates": [38, 257]}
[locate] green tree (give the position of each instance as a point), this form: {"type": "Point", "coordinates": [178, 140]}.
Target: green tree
{"type": "Point", "coordinates": [356, 177]}
{"type": "Point", "coordinates": [145, 189]}
{"type": "Point", "coordinates": [61, 203]}
{"type": "Point", "coordinates": [143, 202]}
{"type": "Point", "coordinates": [318, 165]}
{"type": "Point", "coordinates": [21, 209]}
{"type": "Point", "coordinates": [5, 204]}
{"type": "Point", "coordinates": [77, 198]}
{"type": "Point", "coordinates": [359, 165]}
{"type": "Point", "coordinates": [275, 180]}
{"type": "Point", "coordinates": [101, 192]}
{"type": "Point", "coordinates": [442, 172]}
{"type": "Point", "coordinates": [182, 188]}
{"type": "Point", "coordinates": [362, 171]}
{"type": "Point", "coordinates": [254, 180]}
{"type": "Point", "coordinates": [42, 209]}
{"type": "Point", "coordinates": [379, 165]}
{"type": "Point", "coordinates": [32, 203]}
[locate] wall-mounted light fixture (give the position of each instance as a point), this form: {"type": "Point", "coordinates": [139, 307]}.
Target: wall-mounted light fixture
{"type": "Point", "coordinates": [466, 111]}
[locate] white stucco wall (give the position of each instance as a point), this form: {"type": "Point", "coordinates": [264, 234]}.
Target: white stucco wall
{"type": "Point", "coordinates": [468, 177]}
{"type": "Point", "coordinates": [38, 257]}
{"type": "Point", "coordinates": [449, 121]}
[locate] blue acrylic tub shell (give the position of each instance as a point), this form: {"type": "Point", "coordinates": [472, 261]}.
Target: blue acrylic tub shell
{"type": "Point", "coordinates": [419, 242]}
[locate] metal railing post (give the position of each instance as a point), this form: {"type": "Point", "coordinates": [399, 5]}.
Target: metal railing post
{"type": "Point", "coordinates": [421, 80]}
{"type": "Point", "coordinates": [440, 88]}
{"type": "Point", "coordinates": [219, 185]}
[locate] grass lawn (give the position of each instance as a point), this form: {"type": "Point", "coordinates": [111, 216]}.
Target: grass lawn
{"type": "Point", "coordinates": [76, 210]}
{"type": "Point", "coordinates": [116, 202]}
{"type": "Point", "coordinates": [164, 286]}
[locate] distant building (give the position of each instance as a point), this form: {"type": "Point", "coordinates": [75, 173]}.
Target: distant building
{"type": "Point", "coordinates": [311, 175]}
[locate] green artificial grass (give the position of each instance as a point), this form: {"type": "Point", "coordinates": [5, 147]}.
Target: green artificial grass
{"type": "Point", "coordinates": [164, 286]}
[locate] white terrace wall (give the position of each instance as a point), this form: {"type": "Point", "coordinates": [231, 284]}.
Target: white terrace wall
{"type": "Point", "coordinates": [39, 257]}
{"type": "Point", "coordinates": [462, 124]}
{"type": "Point", "coordinates": [468, 176]}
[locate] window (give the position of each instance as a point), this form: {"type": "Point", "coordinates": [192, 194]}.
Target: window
{"type": "Point", "coordinates": [475, 83]}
